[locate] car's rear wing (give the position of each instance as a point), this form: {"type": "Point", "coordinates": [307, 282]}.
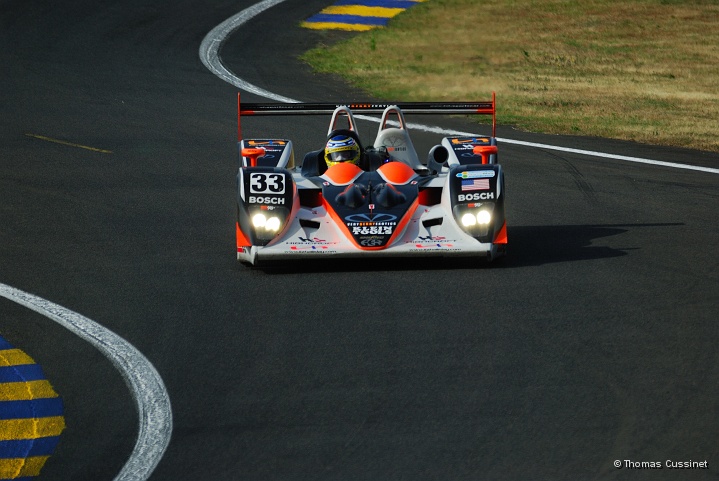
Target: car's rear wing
{"type": "Point", "coordinates": [474, 108]}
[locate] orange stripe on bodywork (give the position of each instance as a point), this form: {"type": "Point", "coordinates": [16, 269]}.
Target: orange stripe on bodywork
{"type": "Point", "coordinates": [501, 237]}
{"type": "Point", "coordinates": [338, 220]}
{"type": "Point", "coordinates": [343, 173]}
{"type": "Point", "coordinates": [396, 172]}
{"type": "Point", "coordinates": [242, 240]}
{"type": "Point", "coordinates": [403, 223]}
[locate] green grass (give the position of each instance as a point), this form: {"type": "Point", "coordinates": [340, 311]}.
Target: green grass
{"type": "Point", "coordinates": [641, 70]}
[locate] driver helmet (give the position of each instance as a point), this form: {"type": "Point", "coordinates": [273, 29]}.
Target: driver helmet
{"type": "Point", "coordinates": [342, 148]}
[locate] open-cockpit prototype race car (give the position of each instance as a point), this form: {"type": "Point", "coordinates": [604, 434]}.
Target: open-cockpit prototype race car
{"type": "Point", "coordinates": [396, 205]}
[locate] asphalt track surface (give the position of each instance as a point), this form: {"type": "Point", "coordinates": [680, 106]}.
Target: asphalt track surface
{"type": "Point", "coordinates": [594, 341]}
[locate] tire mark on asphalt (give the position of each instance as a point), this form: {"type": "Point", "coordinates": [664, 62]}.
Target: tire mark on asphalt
{"type": "Point", "coordinates": [579, 180]}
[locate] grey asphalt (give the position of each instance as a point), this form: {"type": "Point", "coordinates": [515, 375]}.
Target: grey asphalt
{"type": "Point", "coordinates": [594, 341]}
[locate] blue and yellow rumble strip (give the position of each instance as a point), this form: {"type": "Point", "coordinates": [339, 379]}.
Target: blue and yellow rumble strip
{"type": "Point", "coordinates": [31, 415]}
{"type": "Point", "coordinates": [358, 15]}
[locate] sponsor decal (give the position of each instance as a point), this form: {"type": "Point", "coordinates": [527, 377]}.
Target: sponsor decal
{"type": "Point", "coordinates": [266, 142]}
{"type": "Point", "coordinates": [395, 143]}
{"type": "Point", "coordinates": [266, 200]}
{"type": "Point", "coordinates": [430, 238]}
{"type": "Point", "coordinates": [310, 241]}
{"type": "Point", "coordinates": [471, 140]}
{"type": "Point", "coordinates": [373, 229]}
{"type": "Point", "coordinates": [371, 241]}
{"type": "Point", "coordinates": [438, 245]}
{"type": "Point", "coordinates": [475, 184]}
{"type": "Point", "coordinates": [267, 183]}
{"type": "Point", "coordinates": [433, 243]}
{"type": "Point", "coordinates": [309, 248]}
{"type": "Point", "coordinates": [371, 224]}
{"type": "Point", "coordinates": [371, 217]}
{"type": "Point", "coordinates": [476, 174]}
{"type": "Point", "coordinates": [476, 196]}
{"type": "Point", "coordinates": [306, 250]}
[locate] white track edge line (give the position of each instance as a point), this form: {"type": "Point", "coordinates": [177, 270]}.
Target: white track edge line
{"type": "Point", "coordinates": [210, 57]}
{"type": "Point", "coordinates": [611, 156]}
{"type": "Point", "coordinates": [148, 390]}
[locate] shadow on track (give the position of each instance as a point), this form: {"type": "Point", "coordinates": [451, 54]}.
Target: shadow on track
{"type": "Point", "coordinates": [537, 245]}
{"type": "Point", "coordinates": [528, 246]}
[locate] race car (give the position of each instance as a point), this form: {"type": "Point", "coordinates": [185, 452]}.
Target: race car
{"type": "Point", "coordinates": [391, 204]}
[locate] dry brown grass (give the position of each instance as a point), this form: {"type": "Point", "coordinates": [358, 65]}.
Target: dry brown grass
{"type": "Point", "coordinates": [646, 71]}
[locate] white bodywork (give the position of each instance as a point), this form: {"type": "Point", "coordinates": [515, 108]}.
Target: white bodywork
{"type": "Point", "coordinates": [431, 230]}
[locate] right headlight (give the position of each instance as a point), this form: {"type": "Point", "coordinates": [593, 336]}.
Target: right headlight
{"type": "Point", "coordinates": [474, 219]}
{"type": "Point", "coordinates": [484, 216]}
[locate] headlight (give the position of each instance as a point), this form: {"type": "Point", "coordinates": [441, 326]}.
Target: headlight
{"type": "Point", "coordinates": [474, 218]}
{"type": "Point", "coordinates": [484, 217]}
{"type": "Point", "coordinates": [468, 220]}
{"type": "Point", "coordinates": [273, 224]}
{"type": "Point", "coordinates": [262, 222]}
{"type": "Point", "coordinates": [268, 222]}
{"type": "Point", "coordinates": [259, 221]}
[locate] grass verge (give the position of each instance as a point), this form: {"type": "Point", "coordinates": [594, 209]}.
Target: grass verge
{"type": "Point", "coordinates": [640, 70]}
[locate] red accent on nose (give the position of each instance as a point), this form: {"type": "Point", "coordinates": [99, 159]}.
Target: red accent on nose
{"type": "Point", "coordinates": [253, 153]}
{"type": "Point", "coordinates": [485, 151]}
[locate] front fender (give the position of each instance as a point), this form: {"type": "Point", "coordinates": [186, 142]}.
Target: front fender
{"type": "Point", "coordinates": [471, 190]}
{"type": "Point", "coordinates": [264, 192]}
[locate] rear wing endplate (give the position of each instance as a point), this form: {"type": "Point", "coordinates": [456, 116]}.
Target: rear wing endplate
{"type": "Point", "coordinates": [300, 108]}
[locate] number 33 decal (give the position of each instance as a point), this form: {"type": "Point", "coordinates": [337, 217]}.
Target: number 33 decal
{"type": "Point", "coordinates": [267, 183]}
